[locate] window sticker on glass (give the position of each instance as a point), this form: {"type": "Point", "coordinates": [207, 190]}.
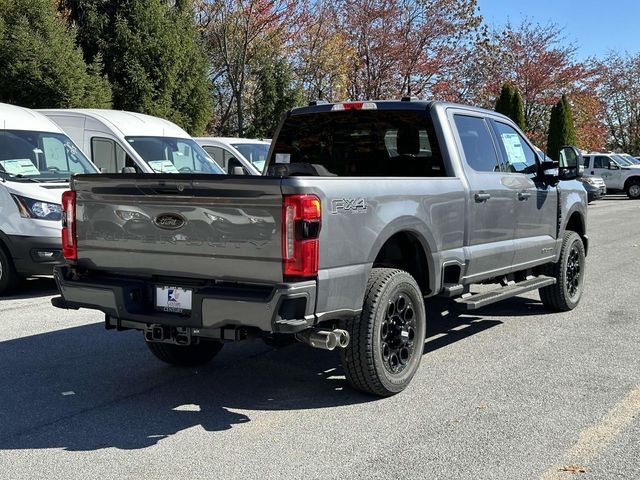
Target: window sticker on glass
{"type": "Point", "coordinates": [283, 158]}
{"type": "Point", "coordinates": [163, 166]}
{"type": "Point", "coordinates": [512, 145]}
{"type": "Point", "coordinates": [19, 166]}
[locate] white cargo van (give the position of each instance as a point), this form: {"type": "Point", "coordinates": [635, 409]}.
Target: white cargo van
{"type": "Point", "coordinates": [118, 141]}
{"type": "Point", "coordinates": [36, 161]}
{"type": "Point", "coordinates": [237, 152]}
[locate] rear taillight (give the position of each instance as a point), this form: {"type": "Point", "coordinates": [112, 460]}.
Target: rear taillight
{"type": "Point", "coordinates": [301, 216]}
{"type": "Point", "coordinates": [69, 242]}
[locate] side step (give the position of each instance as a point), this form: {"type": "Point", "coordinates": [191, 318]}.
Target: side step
{"type": "Point", "coordinates": [479, 300]}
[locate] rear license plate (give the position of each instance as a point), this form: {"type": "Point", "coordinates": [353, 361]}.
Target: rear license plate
{"type": "Point", "coordinates": [173, 299]}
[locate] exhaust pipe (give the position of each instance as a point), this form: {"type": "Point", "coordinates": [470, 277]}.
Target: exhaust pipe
{"type": "Point", "coordinates": [324, 339]}
{"type": "Point", "coordinates": [343, 337]}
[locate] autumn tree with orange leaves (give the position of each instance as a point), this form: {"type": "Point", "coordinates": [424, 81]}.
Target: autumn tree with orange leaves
{"type": "Point", "coordinates": [618, 88]}
{"type": "Point", "coordinates": [401, 47]}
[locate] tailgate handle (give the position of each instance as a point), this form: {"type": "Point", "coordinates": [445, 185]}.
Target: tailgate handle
{"type": "Point", "coordinates": [482, 197]}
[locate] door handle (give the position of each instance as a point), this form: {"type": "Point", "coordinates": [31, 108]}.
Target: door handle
{"type": "Point", "coordinates": [482, 197]}
{"type": "Point", "coordinates": [523, 195]}
{"type": "Point", "coordinates": [592, 172]}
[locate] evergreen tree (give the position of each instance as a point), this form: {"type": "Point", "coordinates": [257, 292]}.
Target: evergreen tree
{"type": "Point", "coordinates": [504, 102]}
{"type": "Point", "coordinates": [517, 110]}
{"type": "Point", "coordinates": [274, 95]}
{"type": "Point", "coordinates": [561, 130]}
{"type": "Point", "coordinates": [40, 64]}
{"type": "Point", "coordinates": [152, 56]}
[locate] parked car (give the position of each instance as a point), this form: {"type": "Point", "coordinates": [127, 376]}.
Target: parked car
{"type": "Point", "coordinates": [370, 208]}
{"type": "Point", "coordinates": [36, 161]}
{"type": "Point", "coordinates": [120, 141]}
{"type": "Point", "coordinates": [616, 173]}
{"type": "Point", "coordinates": [595, 187]}
{"type": "Point", "coordinates": [237, 152]}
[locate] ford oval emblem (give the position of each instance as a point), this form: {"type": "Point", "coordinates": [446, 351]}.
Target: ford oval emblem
{"type": "Point", "coordinates": [170, 221]}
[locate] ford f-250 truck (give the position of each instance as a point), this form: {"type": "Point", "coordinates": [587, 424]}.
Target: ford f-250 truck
{"type": "Point", "coordinates": [365, 210]}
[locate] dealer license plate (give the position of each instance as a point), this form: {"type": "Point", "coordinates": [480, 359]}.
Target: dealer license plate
{"type": "Point", "coordinates": [173, 299]}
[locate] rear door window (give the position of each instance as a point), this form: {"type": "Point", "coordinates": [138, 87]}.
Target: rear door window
{"type": "Point", "coordinates": [477, 144]}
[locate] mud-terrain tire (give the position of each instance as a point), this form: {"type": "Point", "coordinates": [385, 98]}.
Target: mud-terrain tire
{"type": "Point", "coordinates": [186, 356]}
{"type": "Point", "coordinates": [569, 273]}
{"type": "Point", "coordinates": [387, 340]}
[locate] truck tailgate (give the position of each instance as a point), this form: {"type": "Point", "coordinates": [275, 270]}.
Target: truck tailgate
{"type": "Point", "coordinates": [203, 226]}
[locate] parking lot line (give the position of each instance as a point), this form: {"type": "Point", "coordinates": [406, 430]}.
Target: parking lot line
{"type": "Point", "coordinates": [595, 439]}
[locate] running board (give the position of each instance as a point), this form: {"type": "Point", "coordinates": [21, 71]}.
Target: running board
{"type": "Point", "coordinates": [479, 300]}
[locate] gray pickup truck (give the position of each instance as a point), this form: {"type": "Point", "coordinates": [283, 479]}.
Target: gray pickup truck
{"type": "Point", "coordinates": [366, 210]}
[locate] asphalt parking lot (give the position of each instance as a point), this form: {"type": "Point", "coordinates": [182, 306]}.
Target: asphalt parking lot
{"type": "Point", "coordinates": [509, 392]}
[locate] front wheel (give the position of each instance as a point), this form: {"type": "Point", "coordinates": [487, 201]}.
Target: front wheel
{"type": "Point", "coordinates": [569, 274]}
{"type": "Point", "coordinates": [633, 190]}
{"type": "Point", "coordinates": [186, 355]}
{"type": "Point", "coordinates": [388, 338]}
{"type": "Point", "coordinates": [8, 276]}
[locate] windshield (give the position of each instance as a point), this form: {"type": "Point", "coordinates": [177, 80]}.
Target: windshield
{"type": "Point", "coordinates": [40, 156]}
{"type": "Point", "coordinates": [174, 155]}
{"type": "Point", "coordinates": [623, 162]}
{"type": "Point", "coordinates": [632, 159]}
{"type": "Point", "coordinates": [256, 153]}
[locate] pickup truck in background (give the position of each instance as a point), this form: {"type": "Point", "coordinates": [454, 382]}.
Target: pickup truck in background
{"type": "Point", "coordinates": [619, 174]}
{"type": "Point", "coordinates": [365, 210]}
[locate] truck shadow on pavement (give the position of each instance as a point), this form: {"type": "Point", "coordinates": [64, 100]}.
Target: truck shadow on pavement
{"type": "Point", "coordinates": [84, 388]}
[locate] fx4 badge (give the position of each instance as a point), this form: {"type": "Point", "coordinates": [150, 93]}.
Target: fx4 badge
{"type": "Point", "coordinates": [351, 205]}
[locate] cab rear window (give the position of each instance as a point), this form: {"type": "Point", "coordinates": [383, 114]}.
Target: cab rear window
{"type": "Point", "coordinates": [357, 143]}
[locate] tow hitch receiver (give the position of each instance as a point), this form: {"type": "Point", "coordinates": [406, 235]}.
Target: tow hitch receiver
{"type": "Point", "coordinates": [166, 334]}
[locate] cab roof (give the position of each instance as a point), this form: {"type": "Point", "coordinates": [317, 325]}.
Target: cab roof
{"type": "Point", "coordinates": [125, 123]}
{"type": "Point", "coordinates": [404, 104]}
{"type": "Point", "coordinates": [13, 117]}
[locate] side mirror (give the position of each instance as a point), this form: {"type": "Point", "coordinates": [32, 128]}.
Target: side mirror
{"type": "Point", "coordinates": [613, 166]}
{"type": "Point", "coordinates": [549, 171]}
{"type": "Point", "coordinates": [128, 170]}
{"type": "Point", "coordinates": [571, 165]}
{"type": "Point", "coordinates": [237, 171]}
{"type": "Point", "coordinates": [103, 170]}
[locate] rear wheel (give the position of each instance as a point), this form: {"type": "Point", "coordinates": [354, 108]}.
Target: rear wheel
{"type": "Point", "coordinates": [633, 190]}
{"type": "Point", "coordinates": [186, 355]}
{"type": "Point", "coordinates": [8, 276]}
{"type": "Point", "coordinates": [569, 274]}
{"type": "Point", "coordinates": [388, 338]}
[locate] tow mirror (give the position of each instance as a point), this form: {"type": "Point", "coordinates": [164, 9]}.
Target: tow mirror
{"type": "Point", "coordinates": [549, 169]}
{"type": "Point", "coordinates": [571, 165]}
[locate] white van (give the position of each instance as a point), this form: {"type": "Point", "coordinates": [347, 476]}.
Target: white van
{"type": "Point", "coordinates": [118, 141]}
{"type": "Point", "coordinates": [237, 152]}
{"type": "Point", "coordinates": [36, 161]}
